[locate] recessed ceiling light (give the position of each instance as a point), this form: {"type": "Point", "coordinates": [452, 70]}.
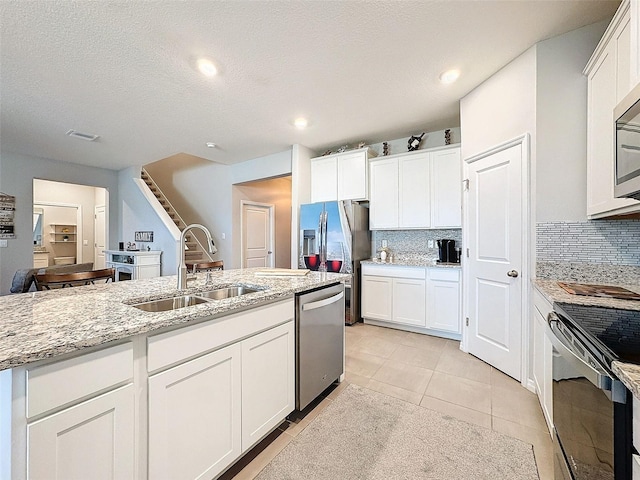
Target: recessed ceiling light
{"type": "Point", "coordinates": [206, 67]}
{"type": "Point", "coordinates": [449, 76]}
{"type": "Point", "coordinates": [84, 136]}
{"type": "Point", "coordinates": [300, 123]}
{"type": "Point", "coordinates": [211, 145]}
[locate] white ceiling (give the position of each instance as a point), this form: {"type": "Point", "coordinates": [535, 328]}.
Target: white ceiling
{"type": "Point", "coordinates": [359, 70]}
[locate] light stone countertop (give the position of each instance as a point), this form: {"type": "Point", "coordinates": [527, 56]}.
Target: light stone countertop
{"type": "Point", "coordinates": [415, 261]}
{"type": "Point", "coordinates": [45, 324]}
{"type": "Point", "coordinates": [628, 373]}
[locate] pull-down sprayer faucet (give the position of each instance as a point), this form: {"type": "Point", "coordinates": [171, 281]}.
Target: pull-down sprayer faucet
{"type": "Point", "coordinates": [182, 266]}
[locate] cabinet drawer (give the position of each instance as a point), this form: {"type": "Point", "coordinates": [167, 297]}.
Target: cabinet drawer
{"type": "Point", "coordinates": [61, 383]}
{"type": "Point", "coordinates": [444, 274]}
{"type": "Point", "coordinates": [393, 271]}
{"type": "Point", "coordinates": [542, 304]}
{"type": "Point", "coordinates": [176, 346]}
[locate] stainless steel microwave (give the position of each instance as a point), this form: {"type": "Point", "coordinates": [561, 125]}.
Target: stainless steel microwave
{"type": "Point", "coordinates": [627, 159]}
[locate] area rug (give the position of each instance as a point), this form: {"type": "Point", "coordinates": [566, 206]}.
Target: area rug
{"type": "Point", "coordinates": [363, 434]}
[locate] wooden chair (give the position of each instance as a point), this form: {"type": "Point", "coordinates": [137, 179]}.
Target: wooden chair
{"type": "Point", "coordinates": [47, 281]}
{"type": "Point", "coordinates": [207, 266]}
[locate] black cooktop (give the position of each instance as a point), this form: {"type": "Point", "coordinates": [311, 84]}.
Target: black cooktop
{"type": "Point", "coordinates": [615, 333]}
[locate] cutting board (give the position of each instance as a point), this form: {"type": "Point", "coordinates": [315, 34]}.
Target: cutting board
{"type": "Point", "coordinates": [282, 272]}
{"type": "Point", "coordinates": [606, 291]}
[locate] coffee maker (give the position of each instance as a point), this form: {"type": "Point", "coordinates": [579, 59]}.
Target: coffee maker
{"type": "Point", "coordinates": [447, 251]}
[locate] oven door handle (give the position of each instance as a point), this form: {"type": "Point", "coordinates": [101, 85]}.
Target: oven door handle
{"type": "Point", "coordinates": [601, 380]}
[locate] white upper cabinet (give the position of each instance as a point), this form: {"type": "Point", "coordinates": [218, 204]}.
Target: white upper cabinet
{"type": "Point", "coordinates": [609, 79]}
{"type": "Point", "coordinates": [416, 190]}
{"type": "Point", "coordinates": [446, 189]}
{"type": "Point", "coordinates": [413, 195]}
{"type": "Point", "coordinates": [341, 176]}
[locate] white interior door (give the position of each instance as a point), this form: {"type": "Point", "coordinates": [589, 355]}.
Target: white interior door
{"type": "Point", "coordinates": [100, 237]}
{"type": "Point", "coordinates": [257, 235]}
{"type": "Point", "coordinates": [494, 268]}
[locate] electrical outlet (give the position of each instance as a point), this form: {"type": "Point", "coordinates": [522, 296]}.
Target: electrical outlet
{"type": "Point", "coordinates": [223, 236]}
{"type": "Point", "coordinates": [85, 243]}
{"type": "Point", "coordinates": [430, 243]}
{"type": "Point", "coordinates": [4, 243]}
{"type": "Point", "coordinates": [384, 244]}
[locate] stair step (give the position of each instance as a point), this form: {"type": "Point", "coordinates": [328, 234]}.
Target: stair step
{"type": "Point", "coordinates": [192, 255]}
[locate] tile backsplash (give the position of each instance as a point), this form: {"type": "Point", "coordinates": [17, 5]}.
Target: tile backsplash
{"type": "Point", "coordinates": [410, 242]}
{"type": "Point", "coordinates": [611, 242]}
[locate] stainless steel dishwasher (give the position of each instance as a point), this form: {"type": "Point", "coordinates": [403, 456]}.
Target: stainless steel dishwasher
{"type": "Point", "coordinates": [319, 341]}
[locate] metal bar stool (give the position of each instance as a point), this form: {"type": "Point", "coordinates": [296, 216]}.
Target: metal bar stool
{"type": "Point", "coordinates": [47, 281]}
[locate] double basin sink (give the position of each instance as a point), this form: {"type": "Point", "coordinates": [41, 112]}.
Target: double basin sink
{"type": "Point", "coordinates": [181, 301]}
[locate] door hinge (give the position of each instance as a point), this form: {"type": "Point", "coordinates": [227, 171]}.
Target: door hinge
{"type": "Point", "coordinates": [465, 185]}
{"type": "Point", "coordinates": [467, 321]}
{"type": "Point", "coordinates": [467, 253]}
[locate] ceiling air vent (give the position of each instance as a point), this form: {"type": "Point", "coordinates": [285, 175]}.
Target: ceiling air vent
{"type": "Point", "coordinates": [83, 136]}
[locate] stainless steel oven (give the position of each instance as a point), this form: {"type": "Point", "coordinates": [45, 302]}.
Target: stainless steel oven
{"type": "Point", "coordinates": [591, 407]}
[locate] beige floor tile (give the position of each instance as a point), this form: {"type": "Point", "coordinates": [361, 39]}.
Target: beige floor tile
{"type": "Point", "coordinates": [460, 391]}
{"type": "Point", "coordinates": [351, 377]}
{"type": "Point", "coordinates": [403, 375]}
{"type": "Point", "coordinates": [362, 363]}
{"type": "Point", "coordinates": [338, 390]}
{"type": "Point", "coordinates": [544, 461]}
{"type": "Point", "coordinates": [502, 380]}
{"type": "Point", "coordinates": [456, 411]}
{"type": "Point", "coordinates": [259, 457]}
{"type": "Point", "coordinates": [373, 345]}
{"type": "Point", "coordinates": [517, 405]}
{"type": "Point", "coordinates": [420, 357]}
{"type": "Point", "coordinates": [538, 438]}
{"type": "Point", "coordinates": [393, 391]}
{"type": "Point", "coordinates": [461, 364]}
{"type": "Point", "coordinates": [419, 340]}
{"type": "Point", "coordinates": [452, 345]}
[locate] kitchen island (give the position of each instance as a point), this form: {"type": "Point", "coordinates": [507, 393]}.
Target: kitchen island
{"type": "Point", "coordinates": [90, 383]}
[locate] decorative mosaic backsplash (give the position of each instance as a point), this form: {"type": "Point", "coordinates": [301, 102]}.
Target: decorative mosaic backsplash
{"type": "Point", "coordinates": [612, 242]}
{"type": "Point", "coordinates": [413, 241]}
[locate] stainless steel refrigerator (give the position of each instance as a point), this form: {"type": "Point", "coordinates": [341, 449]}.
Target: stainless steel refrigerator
{"type": "Point", "coordinates": [335, 237]}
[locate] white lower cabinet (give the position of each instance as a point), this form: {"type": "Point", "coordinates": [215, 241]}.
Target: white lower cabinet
{"type": "Point", "coordinates": [425, 300]}
{"type": "Point", "coordinates": [268, 376]}
{"type": "Point", "coordinates": [542, 356]}
{"type": "Point", "coordinates": [195, 416]}
{"type": "Point", "coordinates": [443, 299]}
{"type": "Point", "coordinates": [94, 439]}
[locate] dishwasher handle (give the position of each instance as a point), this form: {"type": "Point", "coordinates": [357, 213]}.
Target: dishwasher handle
{"type": "Point", "coordinates": [322, 303]}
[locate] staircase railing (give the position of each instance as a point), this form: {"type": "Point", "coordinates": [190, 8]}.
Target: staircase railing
{"type": "Point", "coordinates": [166, 218]}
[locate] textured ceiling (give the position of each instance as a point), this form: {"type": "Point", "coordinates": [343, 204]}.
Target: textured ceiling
{"type": "Point", "coordinates": [358, 70]}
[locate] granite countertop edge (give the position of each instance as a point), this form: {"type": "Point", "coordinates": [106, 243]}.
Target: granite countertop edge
{"type": "Point", "coordinates": [41, 325]}
{"type": "Point", "coordinates": [628, 373]}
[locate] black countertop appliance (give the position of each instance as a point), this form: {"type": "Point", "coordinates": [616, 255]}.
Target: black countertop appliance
{"type": "Point", "coordinates": [447, 251]}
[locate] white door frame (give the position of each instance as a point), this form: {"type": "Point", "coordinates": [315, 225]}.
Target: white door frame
{"type": "Point", "coordinates": [79, 223]}
{"type": "Point", "coordinates": [106, 243]}
{"type": "Point", "coordinates": [272, 243]}
{"type": "Point", "coordinates": [526, 239]}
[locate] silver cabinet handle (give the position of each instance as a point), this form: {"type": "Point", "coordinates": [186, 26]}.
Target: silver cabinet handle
{"type": "Point", "coordinates": [512, 273]}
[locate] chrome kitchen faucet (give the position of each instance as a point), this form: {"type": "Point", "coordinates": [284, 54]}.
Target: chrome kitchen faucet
{"type": "Point", "coordinates": [182, 266]}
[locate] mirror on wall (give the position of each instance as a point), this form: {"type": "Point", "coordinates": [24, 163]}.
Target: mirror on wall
{"type": "Point", "coordinates": [38, 221]}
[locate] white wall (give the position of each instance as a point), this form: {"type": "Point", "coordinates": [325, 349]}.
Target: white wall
{"type": "Point", "coordinates": [269, 166]}
{"type": "Point", "coordinates": [561, 124]}
{"type": "Point", "coordinates": [16, 178]}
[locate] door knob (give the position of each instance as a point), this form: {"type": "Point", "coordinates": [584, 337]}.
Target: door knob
{"type": "Point", "coordinates": [512, 273]}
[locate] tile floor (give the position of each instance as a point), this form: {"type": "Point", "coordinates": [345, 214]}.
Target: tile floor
{"type": "Point", "coordinates": [428, 371]}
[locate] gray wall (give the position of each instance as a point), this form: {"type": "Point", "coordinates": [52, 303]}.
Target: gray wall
{"type": "Point", "coordinates": [16, 178]}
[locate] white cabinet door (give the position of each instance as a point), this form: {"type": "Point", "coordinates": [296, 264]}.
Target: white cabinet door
{"type": "Point", "coordinates": [409, 301]}
{"type": "Point", "coordinates": [446, 189]}
{"type": "Point", "coordinates": [352, 176]}
{"type": "Point", "coordinates": [383, 205]}
{"type": "Point", "coordinates": [376, 297]}
{"type": "Point", "coordinates": [542, 368]}
{"type": "Point", "coordinates": [443, 297]}
{"type": "Point", "coordinates": [414, 209]}
{"type": "Point", "coordinates": [194, 416]}
{"type": "Point", "coordinates": [324, 179]}
{"type": "Point", "coordinates": [608, 81]}
{"type": "Point", "coordinates": [94, 439]}
{"type": "Point", "coordinates": [268, 382]}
